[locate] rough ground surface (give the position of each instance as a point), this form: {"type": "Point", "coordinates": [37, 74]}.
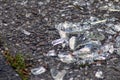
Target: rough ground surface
{"type": "Point", "coordinates": [39, 18]}
{"type": "Point", "coordinates": [6, 71]}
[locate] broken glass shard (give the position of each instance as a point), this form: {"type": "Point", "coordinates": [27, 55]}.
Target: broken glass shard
{"type": "Point", "coordinates": [107, 48]}
{"type": "Point", "coordinates": [110, 31]}
{"type": "Point", "coordinates": [24, 31]}
{"type": "Point", "coordinates": [66, 58]}
{"type": "Point", "coordinates": [117, 41]}
{"type": "Point", "coordinates": [96, 36]}
{"type": "Point", "coordinates": [88, 43]}
{"type": "Point", "coordinates": [59, 41]}
{"type": "Point", "coordinates": [71, 28]}
{"type": "Point", "coordinates": [37, 71]}
{"type": "Point", "coordinates": [93, 19]}
{"type": "Point", "coordinates": [118, 51]}
{"type": "Point", "coordinates": [99, 74]}
{"type": "Point", "coordinates": [79, 2]}
{"type": "Point", "coordinates": [101, 56]}
{"type": "Point", "coordinates": [86, 51]}
{"type": "Point", "coordinates": [93, 44]}
{"type": "Point", "coordinates": [51, 53]}
{"type": "Point", "coordinates": [114, 10]}
{"type": "Point", "coordinates": [97, 22]}
{"type": "Point", "coordinates": [72, 42]}
{"type": "Point", "coordinates": [63, 34]}
{"type": "Point", "coordinates": [56, 74]}
{"type": "Point", "coordinates": [116, 27]}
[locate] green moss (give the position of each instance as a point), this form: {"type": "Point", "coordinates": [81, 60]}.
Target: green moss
{"type": "Point", "coordinates": [18, 63]}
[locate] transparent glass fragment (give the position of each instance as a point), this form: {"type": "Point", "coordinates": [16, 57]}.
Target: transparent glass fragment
{"type": "Point", "coordinates": [51, 53]}
{"type": "Point", "coordinates": [72, 28]}
{"type": "Point", "coordinates": [100, 21]}
{"type": "Point", "coordinates": [101, 56]}
{"type": "Point", "coordinates": [63, 34]}
{"type": "Point", "coordinates": [117, 41]}
{"type": "Point", "coordinates": [118, 51]}
{"type": "Point", "coordinates": [96, 36]}
{"type": "Point", "coordinates": [116, 27]}
{"type": "Point", "coordinates": [90, 39]}
{"type": "Point", "coordinates": [56, 74]}
{"type": "Point", "coordinates": [107, 48]}
{"type": "Point", "coordinates": [59, 41]}
{"type": "Point", "coordinates": [99, 74]}
{"type": "Point", "coordinates": [72, 42]}
{"type": "Point", "coordinates": [24, 31]}
{"type": "Point", "coordinates": [66, 58]}
{"type": "Point", "coordinates": [37, 71]}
